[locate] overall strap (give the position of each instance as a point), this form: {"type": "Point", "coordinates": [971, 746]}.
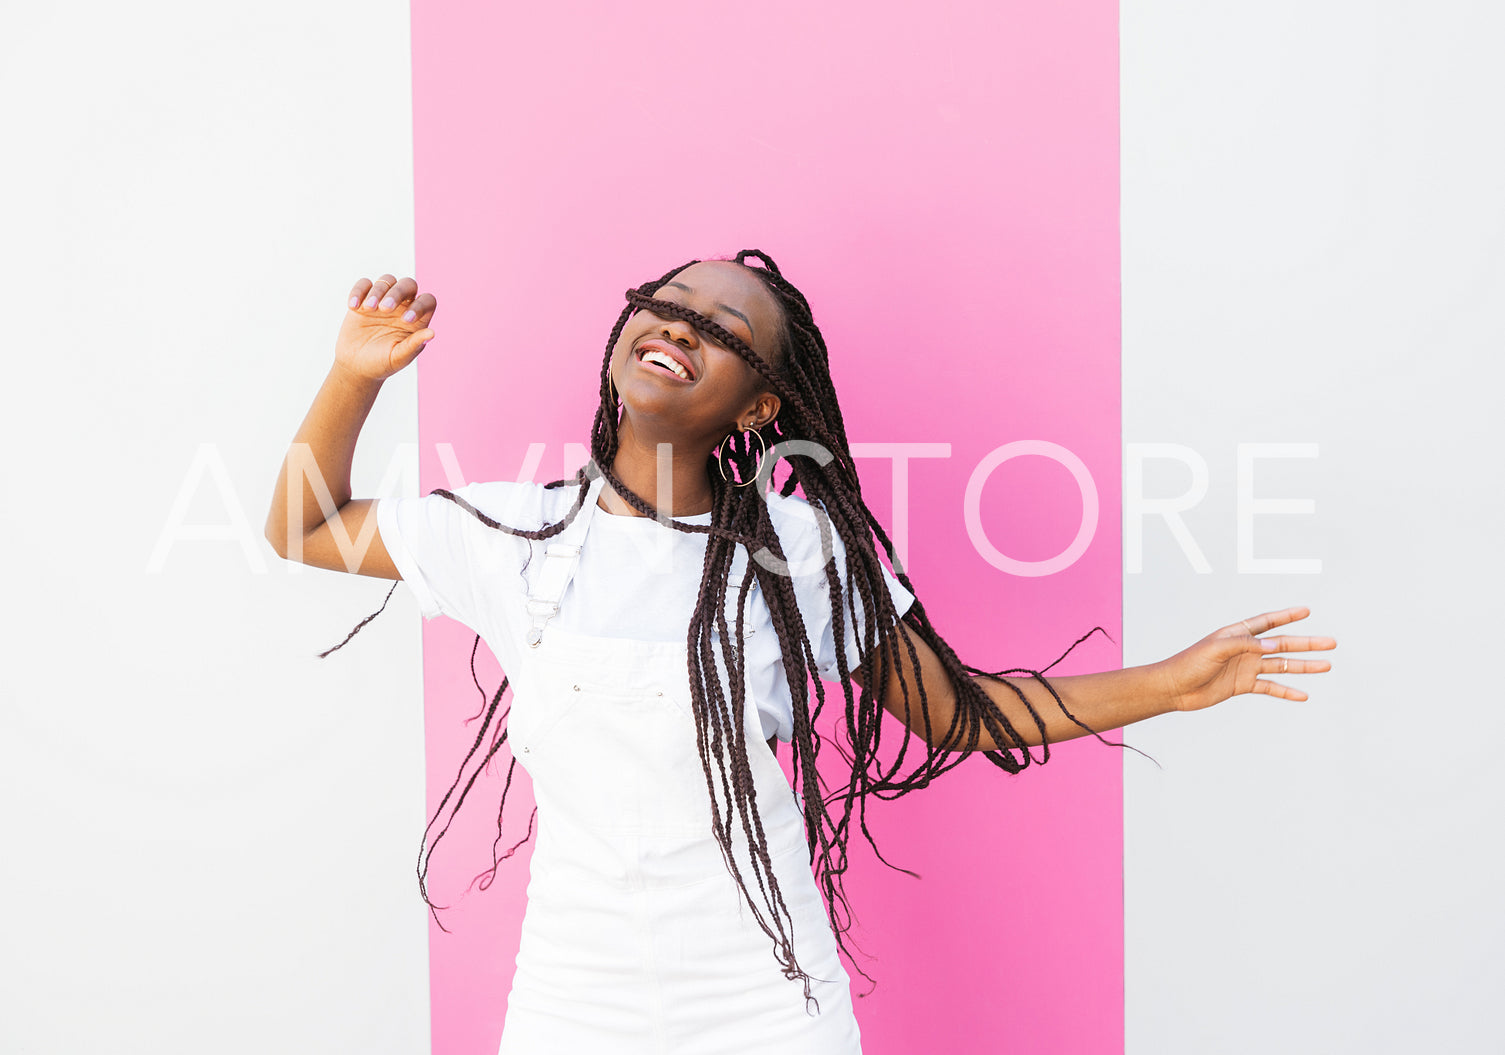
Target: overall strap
{"type": "Point", "coordinates": [561, 556]}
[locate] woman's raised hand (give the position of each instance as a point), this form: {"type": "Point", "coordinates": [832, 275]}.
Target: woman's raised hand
{"type": "Point", "coordinates": [385, 328]}
{"type": "Point", "coordinates": [1236, 659]}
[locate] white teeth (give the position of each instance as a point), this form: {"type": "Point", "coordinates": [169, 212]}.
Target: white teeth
{"type": "Point", "coordinates": [666, 361]}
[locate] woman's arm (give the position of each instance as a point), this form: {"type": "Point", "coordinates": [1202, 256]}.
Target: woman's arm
{"type": "Point", "coordinates": [312, 518]}
{"type": "Point", "coordinates": [1225, 663]}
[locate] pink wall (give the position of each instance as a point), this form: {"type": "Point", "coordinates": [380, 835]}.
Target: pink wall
{"type": "Point", "coordinates": [943, 184]}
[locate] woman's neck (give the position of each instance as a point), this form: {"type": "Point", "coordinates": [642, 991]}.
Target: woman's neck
{"type": "Point", "coordinates": [670, 476]}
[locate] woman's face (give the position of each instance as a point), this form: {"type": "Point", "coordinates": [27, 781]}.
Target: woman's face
{"type": "Point", "coordinates": [679, 381]}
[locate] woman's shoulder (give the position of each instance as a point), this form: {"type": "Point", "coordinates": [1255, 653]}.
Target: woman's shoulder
{"type": "Point", "coordinates": [793, 509]}
{"type": "Point", "coordinates": [519, 503]}
{"type": "Point", "coordinates": [797, 522]}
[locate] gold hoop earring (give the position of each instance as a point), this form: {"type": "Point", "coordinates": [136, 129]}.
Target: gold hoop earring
{"type": "Point", "coordinates": [757, 468]}
{"type": "Point", "coordinates": [612, 388]}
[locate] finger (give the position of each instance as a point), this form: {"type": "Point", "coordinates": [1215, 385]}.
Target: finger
{"type": "Point", "coordinates": [1297, 643]}
{"type": "Point", "coordinates": [401, 292]}
{"type": "Point", "coordinates": [358, 292]}
{"type": "Point", "coordinates": [1274, 688]}
{"type": "Point", "coordinates": [1258, 624]}
{"type": "Point", "coordinates": [421, 310]}
{"type": "Point", "coordinates": [378, 290]}
{"type": "Point", "coordinates": [1281, 665]}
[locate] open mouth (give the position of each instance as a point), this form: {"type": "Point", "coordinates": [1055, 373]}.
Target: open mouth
{"type": "Point", "coordinates": [661, 357]}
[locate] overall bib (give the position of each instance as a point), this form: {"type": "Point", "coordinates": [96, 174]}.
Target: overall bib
{"type": "Point", "coordinates": [636, 938]}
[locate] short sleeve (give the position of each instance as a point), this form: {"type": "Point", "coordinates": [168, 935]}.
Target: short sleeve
{"type": "Point", "coordinates": [800, 535]}
{"type": "Point", "coordinates": [443, 551]}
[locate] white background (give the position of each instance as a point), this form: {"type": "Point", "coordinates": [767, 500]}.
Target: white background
{"type": "Point", "coordinates": [1314, 251]}
{"type": "Point", "coordinates": [210, 834]}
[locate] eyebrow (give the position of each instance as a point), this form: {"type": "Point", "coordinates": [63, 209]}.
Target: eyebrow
{"type": "Point", "coordinates": [724, 307]}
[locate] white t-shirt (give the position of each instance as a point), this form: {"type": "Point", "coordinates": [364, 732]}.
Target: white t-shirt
{"type": "Point", "coordinates": [636, 578]}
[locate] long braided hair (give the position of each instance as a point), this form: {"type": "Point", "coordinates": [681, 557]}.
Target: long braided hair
{"type": "Point", "coordinates": [810, 431]}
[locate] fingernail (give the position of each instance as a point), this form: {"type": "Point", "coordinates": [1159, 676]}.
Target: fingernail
{"type": "Point", "coordinates": [387, 304]}
{"type": "Point", "coordinates": [371, 301]}
{"type": "Point", "coordinates": [409, 315]}
{"type": "Point", "coordinates": [355, 302]}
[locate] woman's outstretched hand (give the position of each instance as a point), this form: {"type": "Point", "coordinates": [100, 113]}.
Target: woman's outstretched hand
{"type": "Point", "coordinates": [1236, 659]}
{"type": "Point", "coordinates": [385, 328]}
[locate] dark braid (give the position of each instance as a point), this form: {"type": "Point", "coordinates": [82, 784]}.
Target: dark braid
{"type": "Point", "coordinates": [809, 412]}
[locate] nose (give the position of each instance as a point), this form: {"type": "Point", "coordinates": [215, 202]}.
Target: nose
{"type": "Point", "coordinates": [678, 330]}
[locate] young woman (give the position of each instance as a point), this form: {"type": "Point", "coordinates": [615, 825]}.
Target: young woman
{"type": "Point", "coordinates": [663, 614]}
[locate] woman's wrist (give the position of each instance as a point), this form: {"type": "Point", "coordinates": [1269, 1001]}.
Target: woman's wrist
{"type": "Point", "coordinates": [1166, 687]}
{"type": "Point", "coordinates": [347, 376]}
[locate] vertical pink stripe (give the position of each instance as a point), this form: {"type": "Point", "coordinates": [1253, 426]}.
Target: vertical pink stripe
{"type": "Point", "coordinates": [942, 181]}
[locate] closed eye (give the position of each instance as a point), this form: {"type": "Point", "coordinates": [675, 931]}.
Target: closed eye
{"type": "Point", "coordinates": [724, 323]}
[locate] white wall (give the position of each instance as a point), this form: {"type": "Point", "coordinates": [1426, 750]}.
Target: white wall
{"type": "Point", "coordinates": [1313, 231]}
{"type": "Point", "coordinates": [209, 834]}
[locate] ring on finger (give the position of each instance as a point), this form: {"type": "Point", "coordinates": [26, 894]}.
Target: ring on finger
{"type": "Point", "coordinates": [1285, 665]}
{"type": "Point", "coordinates": [1248, 627]}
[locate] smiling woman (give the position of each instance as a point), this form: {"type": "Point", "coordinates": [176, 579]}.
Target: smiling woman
{"type": "Point", "coordinates": [672, 852]}
{"type": "Point", "coordinates": [692, 387]}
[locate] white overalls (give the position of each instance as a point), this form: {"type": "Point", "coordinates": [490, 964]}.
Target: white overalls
{"type": "Point", "coordinates": [636, 938]}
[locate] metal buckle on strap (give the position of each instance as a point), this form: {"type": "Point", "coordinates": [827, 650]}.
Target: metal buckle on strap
{"type": "Point", "coordinates": [552, 580]}
{"type": "Point", "coordinates": [541, 611]}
